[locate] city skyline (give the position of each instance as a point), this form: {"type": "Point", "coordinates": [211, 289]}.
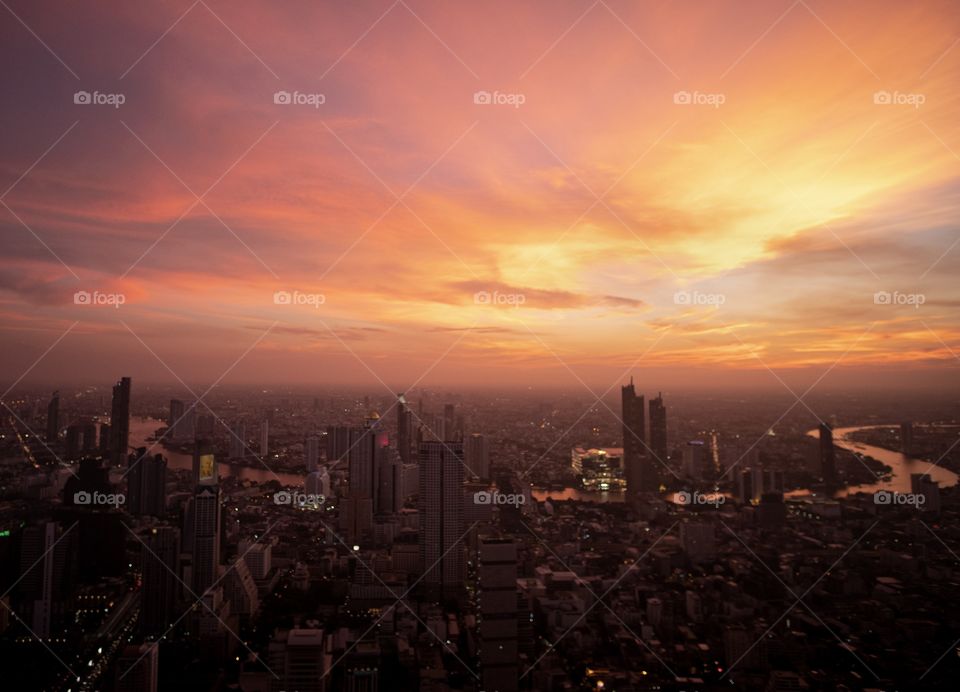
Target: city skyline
{"type": "Point", "coordinates": [664, 211]}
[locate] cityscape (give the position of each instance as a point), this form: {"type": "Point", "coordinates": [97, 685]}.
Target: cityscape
{"type": "Point", "coordinates": [567, 346]}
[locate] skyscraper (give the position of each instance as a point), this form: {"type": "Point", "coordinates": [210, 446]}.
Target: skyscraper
{"type": "Point", "coordinates": [441, 515]}
{"type": "Point", "coordinates": [120, 422]}
{"type": "Point", "coordinates": [53, 417]}
{"type": "Point", "coordinates": [238, 439]}
{"type": "Point", "coordinates": [637, 466]}
{"type": "Point", "coordinates": [658, 428]}
{"type": "Point", "coordinates": [206, 537]}
{"type": "Point", "coordinates": [312, 453]}
{"type": "Point", "coordinates": [449, 422]}
{"type": "Point", "coordinates": [404, 428]}
{"type": "Point", "coordinates": [497, 622]}
{"type": "Point", "coordinates": [176, 422]}
{"type": "Point", "coordinates": [476, 453]}
{"type": "Point", "coordinates": [338, 442]}
{"type": "Point", "coordinates": [146, 484]}
{"type": "Point", "coordinates": [828, 464]}
{"type": "Point", "coordinates": [160, 566]}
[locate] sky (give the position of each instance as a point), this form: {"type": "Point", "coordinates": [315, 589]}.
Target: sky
{"type": "Point", "coordinates": [481, 194]}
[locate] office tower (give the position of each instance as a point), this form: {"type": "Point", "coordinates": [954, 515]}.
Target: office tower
{"type": "Point", "coordinates": [923, 485]}
{"type": "Point", "coordinates": [449, 422]}
{"type": "Point", "coordinates": [146, 484]}
{"type": "Point", "coordinates": [694, 455]}
{"type": "Point", "coordinates": [356, 518]}
{"type": "Point", "coordinates": [318, 483]}
{"type": "Point", "coordinates": [828, 464]}
{"type": "Point", "coordinates": [906, 437]}
{"type": "Point", "coordinates": [238, 439]}
{"type": "Point", "coordinates": [53, 418]}
{"type": "Point", "coordinates": [160, 566]}
{"type": "Point", "coordinates": [698, 541]}
{"type": "Point", "coordinates": [338, 443]}
{"type": "Point", "coordinates": [206, 537]}
{"type": "Point", "coordinates": [137, 668]}
{"type": "Point", "coordinates": [300, 660]}
{"type": "Point", "coordinates": [104, 440]}
{"type": "Point", "coordinates": [476, 452]}
{"type": "Point", "coordinates": [368, 448]}
{"type": "Point", "coordinates": [638, 468]}
{"type": "Point", "coordinates": [120, 422]}
{"type": "Point", "coordinates": [312, 453]}
{"type": "Point", "coordinates": [497, 622]}
{"type": "Point", "coordinates": [390, 483]}
{"type": "Point", "coordinates": [240, 589]}
{"type": "Point", "coordinates": [176, 421]}
{"type": "Point", "coordinates": [750, 485]}
{"type": "Point", "coordinates": [47, 575]}
{"type": "Point", "coordinates": [264, 439]}
{"type": "Point", "coordinates": [203, 424]}
{"type": "Point", "coordinates": [258, 556]}
{"type": "Point", "coordinates": [404, 428]}
{"type": "Point", "coordinates": [441, 515]}
{"type": "Point", "coordinates": [82, 438]}
{"type": "Point", "coordinates": [362, 667]}
{"type": "Point", "coordinates": [658, 429]}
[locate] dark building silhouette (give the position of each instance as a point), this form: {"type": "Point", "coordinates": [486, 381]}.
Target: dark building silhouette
{"type": "Point", "coordinates": [497, 624]}
{"type": "Point", "coordinates": [160, 566]}
{"type": "Point", "coordinates": [53, 418]}
{"type": "Point", "coordinates": [658, 428]}
{"type": "Point", "coordinates": [146, 484]}
{"type": "Point", "coordinates": [120, 422]}
{"type": "Point", "coordinates": [828, 463]}
{"type": "Point", "coordinates": [81, 438]}
{"type": "Point", "coordinates": [441, 515]}
{"type": "Point", "coordinates": [637, 466]}
{"type": "Point", "coordinates": [404, 429]}
{"type": "Point", "coordinates": [47, 575]}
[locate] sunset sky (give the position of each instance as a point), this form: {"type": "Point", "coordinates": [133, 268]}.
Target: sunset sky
{"type": "Point", "coordinates": [687, 243]}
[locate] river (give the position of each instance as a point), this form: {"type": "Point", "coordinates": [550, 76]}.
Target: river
{"type": "Point", "coordinates": [142, 428]}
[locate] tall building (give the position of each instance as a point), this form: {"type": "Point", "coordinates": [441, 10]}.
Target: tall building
{"type": "Point", "coordinates": [120, 422]}
{"type": "Point", "coordinates": [137, 668]}
{"type": "Point", "coordinates": [300, 659]}
{"type": "Point", "coordinates": [906, 437]}
{"type": "Point", "coordinates": [658, 429]}
{"type": "Point", "coordinates": [53, 418]}
{"type": "Point", "coordinates": [637, 465]}
{"type": "Point", "coordinates": [146, 484]}
{"type": "Point", "coordinates": [390, 483]}
{"type": "Point", "coordinates": [82, 438]}
{"type": "Point", "coordinates": [476, 452]}
{"type": "Point", "coordinates": [238, 439]}
{"type": "Point", "coordinates": [404, 428]}
{"type": "Point", "coordinates": [497, 622]}
{"type": "Point", "coordinates": [441, 515]}
{"type": "Point", "coordinates": [160, 566]}
{"type": "Point", "coordinates": [47, 575]}
{"type": "Point", "coordinates": [923, 484]}
{"type": "Point", "coordinates": [205, 523]}
{"type": "Point", "coordinates": [177, 422]}
{"type": "Point", "coordinates": [258, 556]}
{"type": "Point", "coordinates": [694, 457]}
{"type": "Point", "coordinates": [311, 450]}
{"type": "Point", "coordinates": [449, 422]}
{"type": "Point", "coordinates": [338, 443]}
{"type": "Point", "coordinates": [264, 439]}
{"type": "Point", "coordinates": [828, 463]}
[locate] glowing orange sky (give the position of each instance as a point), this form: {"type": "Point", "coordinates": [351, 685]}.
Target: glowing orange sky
{"type": "Point", "coordinates": [600, 199]}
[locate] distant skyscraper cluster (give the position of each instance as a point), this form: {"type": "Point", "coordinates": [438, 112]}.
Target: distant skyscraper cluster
{"type": "Point", "coordinates": [642, 460]}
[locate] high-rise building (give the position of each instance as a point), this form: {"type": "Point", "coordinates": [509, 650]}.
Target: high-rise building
{"type": "Point", "coordinates": [258, 556]}
{"type": "Point", "coordinates": [658, 429]}
{"type": "Point", "coordinates": [120, 422]}
{"type": "Point", "coordinates": [138, 668]}
{"type": "Point", "coordinates": [146, 484]}
{"type": "Point", "coordinates": [311, 449]}
{"type": "Point", "coordinates": [53, 418]}
{"type": "Point", "coordinates": [264, 439]}
{"type": "Point", "coordinates": [177, 422]}
{"type": "Point", "coordinates": [694, 456]}
{"type": "Point", "coordinates": [47, 575]}
{"type": "Point", "coordinates": [828, 464]}
{"type": "Point", "coordinates": [300, 659]}
{"type": "Point", "coordinates": [160, 566]}
{"type": "Point", "coordinates": [238, 439]}
{"type": "Point", "coordinates": [637, 466]}
{"type": "Point", "coordinates": [390, 483]}
{"type": "Point", "coordinates": [497, 622]}
{"type": "Point", "coordinates": [476, 452]}
{"type": "Point", "coordinates": [404, 428]}
{"type": "Point", "coordinates": [449, 422]}
{"type": "Point", "coordinates": [240, 589]}
{"type": "Point", "coordinates": [906, 437]}
{"type": "Point", "coordinates": [338, 443]}
{"type": "Point", "coordinates": [441, 515]}
{"type": "Point", "coordinates": [923, 485]}
{"type": "Point", "coordinates": [82, 438]}
{"type": "Point", "coordinates": [206, 537]}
